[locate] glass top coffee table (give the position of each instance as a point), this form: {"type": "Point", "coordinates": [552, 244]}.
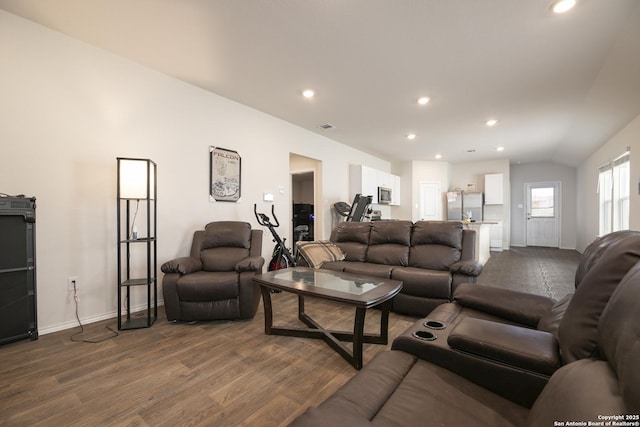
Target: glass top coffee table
{"type": "Point", "coordinates": [359, 291]}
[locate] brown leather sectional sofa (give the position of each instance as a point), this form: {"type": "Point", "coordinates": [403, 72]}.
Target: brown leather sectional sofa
{"type": "Point", "coordinates": [495, 357]}
{"type": "Point", "coordinates": [430, 257]}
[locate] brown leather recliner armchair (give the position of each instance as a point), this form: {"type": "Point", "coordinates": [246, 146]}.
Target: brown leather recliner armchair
{"type": "Point", "coordinates": [215, 281]}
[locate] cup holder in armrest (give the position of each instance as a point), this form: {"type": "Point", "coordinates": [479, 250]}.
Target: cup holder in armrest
{"type": "Point", "coordinates": [434, 324]}
{"type": "Point", "coordinates": [425, 335]}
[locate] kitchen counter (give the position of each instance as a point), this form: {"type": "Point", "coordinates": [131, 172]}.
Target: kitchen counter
{"type": "Point", "coordinates": [483, 239]}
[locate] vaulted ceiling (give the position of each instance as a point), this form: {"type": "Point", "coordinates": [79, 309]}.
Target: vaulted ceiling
{"type": "Point", "coordinates": [559, 85]}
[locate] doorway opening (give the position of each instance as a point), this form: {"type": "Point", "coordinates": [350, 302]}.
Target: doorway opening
{"type": "Point", "coordinates": [306, 215]}
{"type": "Point", "coordinates": [543, 214]}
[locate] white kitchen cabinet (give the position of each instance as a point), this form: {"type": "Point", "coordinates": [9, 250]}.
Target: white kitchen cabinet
{"type": "Point", "coordinates": [365, 180]}
{"type": "Point", "coordinates": [495, 236]}
{"type": "Point", "coordinates": [493, 189]}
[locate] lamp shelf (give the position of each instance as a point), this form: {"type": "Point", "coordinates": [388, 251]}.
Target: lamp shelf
{"type": "Point", "coordinates": [137, 323]}
{"type": "Point", "coordinates": [139, 282]}
{"type": "Point", "coordinates": [137, 182]}
{"type": "Point", "coordinates": [139, 240]}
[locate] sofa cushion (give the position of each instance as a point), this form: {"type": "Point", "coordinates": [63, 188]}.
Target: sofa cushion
{"type": "Point", "coordinates": [353, 232]}
{"type": "Point", "coordinates": [434, 257]}
{"type": "Point", "coordinates": [396, 389]}
{"type": "Point", "coordinates": [353, 251]}
{"type": "Point", "coordinates": [398, 232]}
{"type": "Point", "coordinates": [368, 269]}
{"type": "Point", "coordinates": [222, 259]}
{"type": "Point", "coordinates": [388, 253]}
{"type": "Point", "coordinates": [353, 239]}
{"type": "Point", "coordinates": [367, 393]}
{"type": "Point", "coordinates": [334, 266]}
{"type": "Point", "coordinates": [203, 286]}
{"type": "Point", "coordinates": [389, 242]}
{"type": "Point", "coordinates": [435, 244]}
{"type": "Point", "coordinates": [227, 233]}
{"type": "Point", "coordinates": [437, 233]}
{"type": "Point", "coordinates": [434, 396]}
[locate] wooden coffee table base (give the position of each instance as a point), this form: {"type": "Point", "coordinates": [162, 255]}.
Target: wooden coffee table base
{"type": "Point", "coordinates": [332, 338]}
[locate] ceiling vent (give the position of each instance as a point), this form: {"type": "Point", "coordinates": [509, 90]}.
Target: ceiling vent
{"type": "Point", "coordinates": [326, 126]}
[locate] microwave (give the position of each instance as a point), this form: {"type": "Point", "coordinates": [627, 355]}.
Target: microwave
{"type": "Point", "coordinates": [384, 195]}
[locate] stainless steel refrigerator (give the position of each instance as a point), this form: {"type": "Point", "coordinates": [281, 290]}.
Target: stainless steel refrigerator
{"type": "Point", "coordinates": [454, 205]}
{"type": "Point", "coordinates": [472, 206]}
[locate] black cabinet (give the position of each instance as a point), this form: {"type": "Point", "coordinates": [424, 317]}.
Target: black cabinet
{"type": "Point", "coordinates": [137, 243]}
{"type": "Point", "coordinates": [18, 319]}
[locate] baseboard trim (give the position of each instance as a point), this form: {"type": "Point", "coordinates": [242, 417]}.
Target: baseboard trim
{"type": "Point", "coordinates": [90, 319]}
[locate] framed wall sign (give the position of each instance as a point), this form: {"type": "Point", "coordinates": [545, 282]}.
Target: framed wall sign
{"type": "Point", "coordinates": [225, 184]}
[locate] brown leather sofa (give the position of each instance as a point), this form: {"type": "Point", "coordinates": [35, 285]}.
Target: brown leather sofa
{"type": "Point", "coordinates": [401, 389]}
{"type": "Point", "coordinates": [430, 257]}
{"type": "Point", "coordinates": [511, 342]}
{"type": "Point", "coordinates": [215, 281]}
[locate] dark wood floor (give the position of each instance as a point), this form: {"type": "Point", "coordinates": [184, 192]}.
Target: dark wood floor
{"type": "Point", "coordinates": [542, 271]}
{"type": "Point", "coordinates": [203, 374]}
{"type": "Point", "coordinates": [211, 373]}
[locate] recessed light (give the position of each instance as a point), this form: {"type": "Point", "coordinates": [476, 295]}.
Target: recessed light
{"type": "Point", "coordinates": [308, 93]}
{"type": "Point", "coordinates": [500, 149]}
{"type": "Point", "coordinates": [562, 6]}
{"type": "Point", "coordinates": [491, 122]}
{"type": "Point", "coordinates": [424, 100]}
{"type": "Point", "coordinates": [411, 136]}
{"type": "Point", "coordinates": [438, 156]}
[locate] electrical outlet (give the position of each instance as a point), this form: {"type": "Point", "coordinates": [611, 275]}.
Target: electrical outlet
{"type": "Point", "coordinates": [73, 283]}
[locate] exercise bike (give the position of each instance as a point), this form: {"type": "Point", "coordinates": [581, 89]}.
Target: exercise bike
{"type": "Point", "coordinates": [281, 257]}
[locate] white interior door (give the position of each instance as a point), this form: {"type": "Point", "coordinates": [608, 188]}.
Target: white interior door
{"type": "Point", "coordinates": [430, 201]}
{"type": "Point", "coordinates": [543, 214]}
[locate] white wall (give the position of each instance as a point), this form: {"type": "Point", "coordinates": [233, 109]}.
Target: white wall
{"type": "Point", "coordinates": [427, 171]}
{"type": "Point", "coordinates": [587, 212]}
{"type": "Point", "coordinates": [543, 172]}
{"type": "Point", "coordinates": [67, 110]}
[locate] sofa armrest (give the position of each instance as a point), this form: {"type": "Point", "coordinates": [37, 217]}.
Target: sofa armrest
{"type": "Point", "coordinates": [515, 306]}
{"type": "Point", "coordinates": [184, 265]}
{"type": "Point", "coordinates": [469, 267]}
{"type": "Point", "coordinates": [253, 263]}
{"type": "Point", "coordinates": [522, 348]}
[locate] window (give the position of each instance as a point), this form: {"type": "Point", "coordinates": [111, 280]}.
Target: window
{"type": "Point", "coordinates": [542, 202]}
{"type": "Point", "coordinates": [613, 189]}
